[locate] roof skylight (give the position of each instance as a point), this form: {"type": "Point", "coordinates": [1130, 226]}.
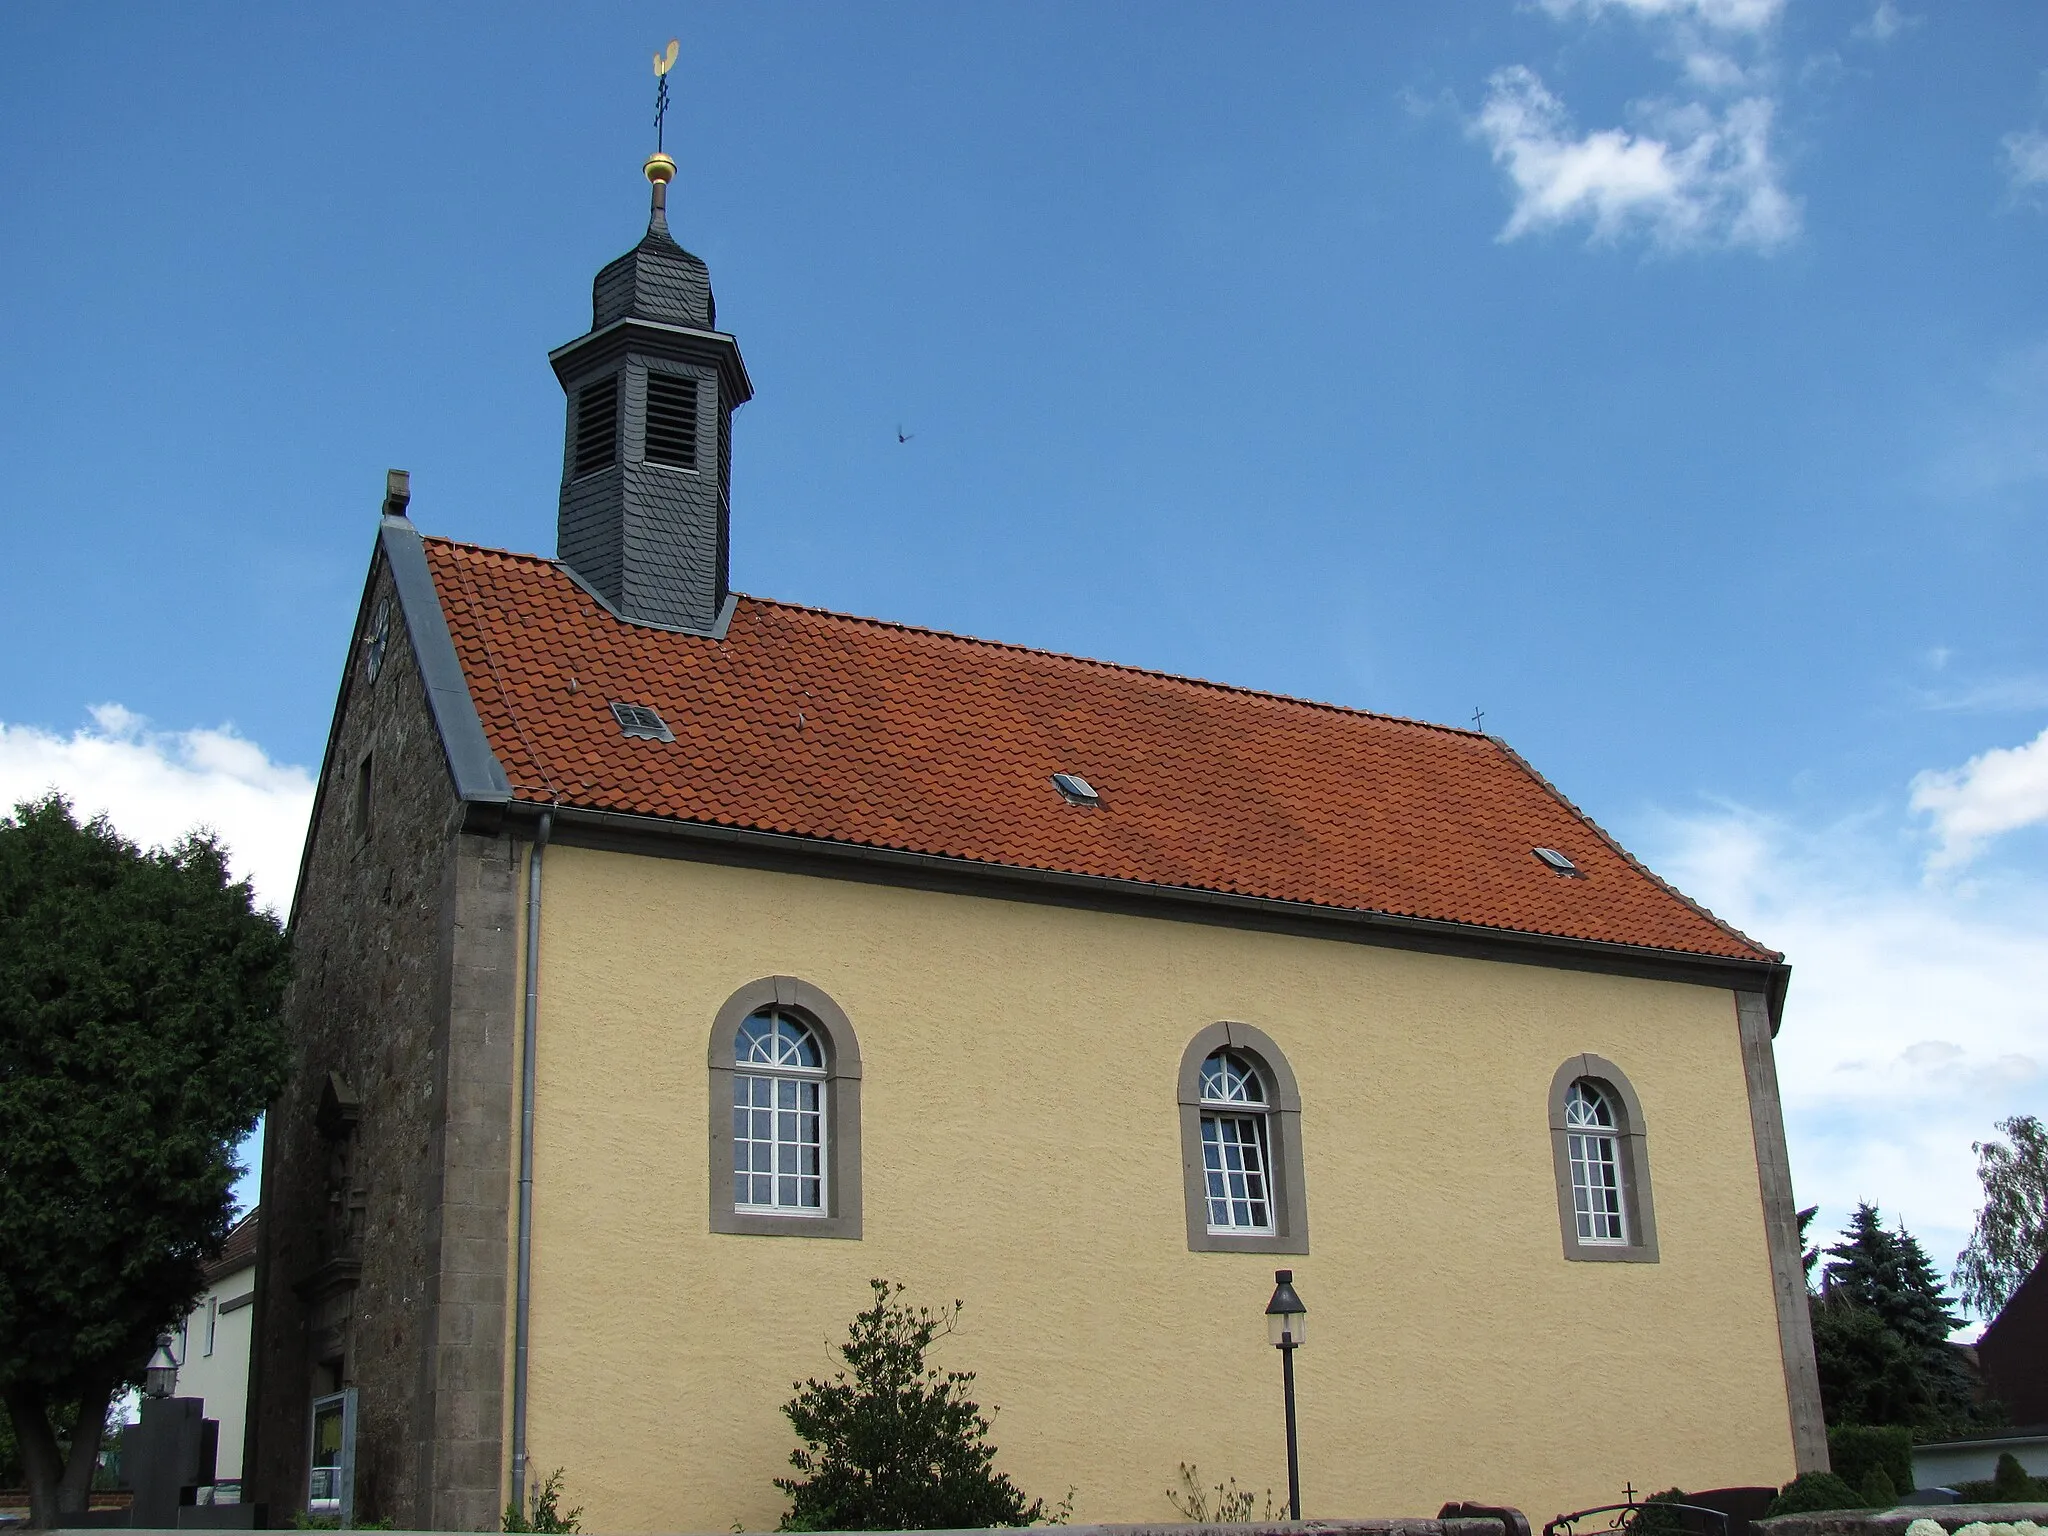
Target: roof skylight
{"type": "Point", "coordinates": [1077, 790]}
{"type": "Point", "coordinates": [1556, 860]}
{"type": "Point", "coordinates": [639, 720]}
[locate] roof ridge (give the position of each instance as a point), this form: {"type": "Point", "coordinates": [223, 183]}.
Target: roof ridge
{"type": "Point", "coordinates": [1035, 650]}
{"type": "Point", "coordinates": [1633, 862]}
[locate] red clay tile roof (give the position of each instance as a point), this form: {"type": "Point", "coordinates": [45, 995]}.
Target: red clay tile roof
{"type": "Point", "coordinates": [819, 725]}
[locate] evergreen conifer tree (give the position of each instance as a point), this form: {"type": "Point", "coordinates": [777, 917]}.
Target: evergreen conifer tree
{"type": "Point", "coordinates": [1884, 1277]}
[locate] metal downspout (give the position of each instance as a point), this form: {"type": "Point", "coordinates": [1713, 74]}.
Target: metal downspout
{"type": "Point", "coordinates": [523, 1295]}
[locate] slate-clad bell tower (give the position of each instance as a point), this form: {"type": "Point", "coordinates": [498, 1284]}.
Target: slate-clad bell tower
{"type": "Point", "coordinates": [647, 460]}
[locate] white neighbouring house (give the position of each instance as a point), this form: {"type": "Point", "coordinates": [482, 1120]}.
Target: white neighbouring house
{"type": "Point", "coordinates": [212, 1347]}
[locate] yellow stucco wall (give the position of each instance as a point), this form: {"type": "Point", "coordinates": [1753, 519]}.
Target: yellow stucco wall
{"type": "Point", "coordinates": [1022, 1152]}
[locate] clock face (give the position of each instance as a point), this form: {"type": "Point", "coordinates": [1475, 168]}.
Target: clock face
{"type": "Point", "coordinates": [377, 640]}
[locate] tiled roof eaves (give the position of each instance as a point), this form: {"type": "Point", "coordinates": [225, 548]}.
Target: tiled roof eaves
{"type": "Point", "coordinates": [1773, 956]}
{"type": "Point", "coordinates": [1511, 944]}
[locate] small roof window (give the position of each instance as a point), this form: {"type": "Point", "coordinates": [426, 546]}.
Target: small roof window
{"type": "Point", "coordinates": [1078, 791]}
{"type": "Point", "coordinates": [639, 720]}
{"type": "Point", "coordinates": [1556, 861]}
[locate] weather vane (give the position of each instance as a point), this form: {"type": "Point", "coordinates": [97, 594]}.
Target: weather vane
{"type": "Point", "coordinates": [663, 63]}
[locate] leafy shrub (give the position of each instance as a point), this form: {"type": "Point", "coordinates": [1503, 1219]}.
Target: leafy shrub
{"type": "Point", "coordinates": [2012, 1484]}
{"type": "Point", "coordinates": [1653, 1519]}
{"type": "Point", "coordinates": [2009, 1484]}
{"type": "Point", "coordinates": [1231, 1504]}
{"type": "Point", "coordinates": [546, 1514]}
{"type": "Point", "coordinates": [1812, 1491]}
{"type": "Point", "coordinates": [1855, 1449]}
{"type": "Point", "coordinates": [896, 1446]}
{"type": "Point", "coordinates": [1876, 1489]}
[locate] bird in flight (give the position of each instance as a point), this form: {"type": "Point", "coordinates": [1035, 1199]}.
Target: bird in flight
{"type": "Point", "coordinates": [903, 436]}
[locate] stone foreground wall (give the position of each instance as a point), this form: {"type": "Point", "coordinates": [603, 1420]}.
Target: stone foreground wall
{"type": "Point", "coordinates": [1397, 1526]}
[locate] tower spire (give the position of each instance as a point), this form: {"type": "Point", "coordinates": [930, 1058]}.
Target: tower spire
{"type": "Point", "coordinates": [660, 169]}
{"type": "Point", "coordinates": [647, 452]}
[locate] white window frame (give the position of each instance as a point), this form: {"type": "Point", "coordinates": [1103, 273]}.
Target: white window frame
{"type": "Point", "coordinates": [1593, 1142]}
{"type": "Point", "coordinates": [776, 1073]}
{"type": "Point", "coordinates": [1241, 1102]}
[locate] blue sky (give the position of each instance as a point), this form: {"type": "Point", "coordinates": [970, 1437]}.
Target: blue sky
{"type": "Point", "coordinates": [1668, 378]}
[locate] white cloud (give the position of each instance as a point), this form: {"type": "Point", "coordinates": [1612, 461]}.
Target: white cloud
{"type": "Point", "coordinates": [157, 785]}
{"type": "Point", "coordinates": [1998, 695]}
{"type": "Point", "coordinates": [2026, 163]}
{"type": "Point", "coordinates": [1694, 170]}
{"type": "Point", "coordinates": [1917, 1014]}
{"type": "Point", "coordinates": [1728, 15]}
{"type": "Point", "coordinates": [1711, 69]}
{"type": "Point", "coordinates": [1995, 792]}
{"type": "Point", "coordinates": [1886, 22]}
{"type": "Point", "coordinates": [1693, 177]}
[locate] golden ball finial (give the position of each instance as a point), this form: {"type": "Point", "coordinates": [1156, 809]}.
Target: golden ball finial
{"type": "Point", "coordinates": [660, 169]}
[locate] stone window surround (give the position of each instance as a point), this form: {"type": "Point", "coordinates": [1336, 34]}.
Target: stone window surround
{"type": "Point", "coordinates": [842, 1110]}
{"type": "Point", "coordinates": [1631, 1138]}
{"type": "Point", "coordinates": [1283, 1125]}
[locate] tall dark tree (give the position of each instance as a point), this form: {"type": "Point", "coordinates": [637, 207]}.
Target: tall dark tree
{"type": "Point", "coordinates": [139, 1041]}
{"type": "Point", "coordinates": [1881, 1332]}
{"type": "Point", "coordinates": [2011, 1235]}
{"type": "Point", "coordinates": [1868, 1374]}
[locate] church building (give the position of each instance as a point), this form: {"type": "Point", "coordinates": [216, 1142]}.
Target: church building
{"type": "Point", "coordinates": [670, 961]}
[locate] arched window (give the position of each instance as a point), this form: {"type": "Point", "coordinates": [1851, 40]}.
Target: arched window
{"type": "Point", "coordinates": [1602, 1163]}
{"type": "Point", "coordinates": [1236, 1160]}
{"type": "Point", "coordinates": [778, 1115]}
{"type": "Point", "coordinates": [1241, 1144]}
{"type": "Point", "coordinates": [785, 1113]}
{"type": "Point", "coordinates": [1596, 1164]}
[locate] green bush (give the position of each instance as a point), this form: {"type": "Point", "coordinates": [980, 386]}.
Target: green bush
{"type": "Point", "coordinates": [891, 1445]}
{"type": "Point", "coordinates": [1653, 1519]}
{"type": "Point", "coordinates": [2010, 1484]}
{"type": "Point", "coordinates": [1855, 1449]}
{"type": "Point", "coordinates": [1876, 1489]}
{"type": "Point", "coordinates": [1813, 1491]}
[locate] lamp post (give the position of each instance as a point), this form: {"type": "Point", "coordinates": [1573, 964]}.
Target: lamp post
{"type": "Point", "coordinates": [160, 1376]}
{"type": "Point", "coordinates": [1287, 1328]}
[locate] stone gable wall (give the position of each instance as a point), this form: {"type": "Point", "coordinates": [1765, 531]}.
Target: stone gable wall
{"type": "Point", "coordinates": [377, 1261]}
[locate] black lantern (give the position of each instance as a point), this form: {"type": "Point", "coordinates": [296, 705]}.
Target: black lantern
{"type": "Point", "coordinates": [160, 1376]}
{"type": "Point", "coordinates": [1287, 1329]}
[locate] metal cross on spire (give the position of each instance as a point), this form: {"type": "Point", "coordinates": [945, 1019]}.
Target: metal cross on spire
{"type": "Point", "coordinates": [663, 63]}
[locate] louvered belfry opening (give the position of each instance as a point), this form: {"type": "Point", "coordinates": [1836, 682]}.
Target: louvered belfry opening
{"type": "Point", "coordinates": [644, 522]}
{"type": "Point", "coordinates": [597, 425]}
{"type": "Point", "coordinates": [672, 420]}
